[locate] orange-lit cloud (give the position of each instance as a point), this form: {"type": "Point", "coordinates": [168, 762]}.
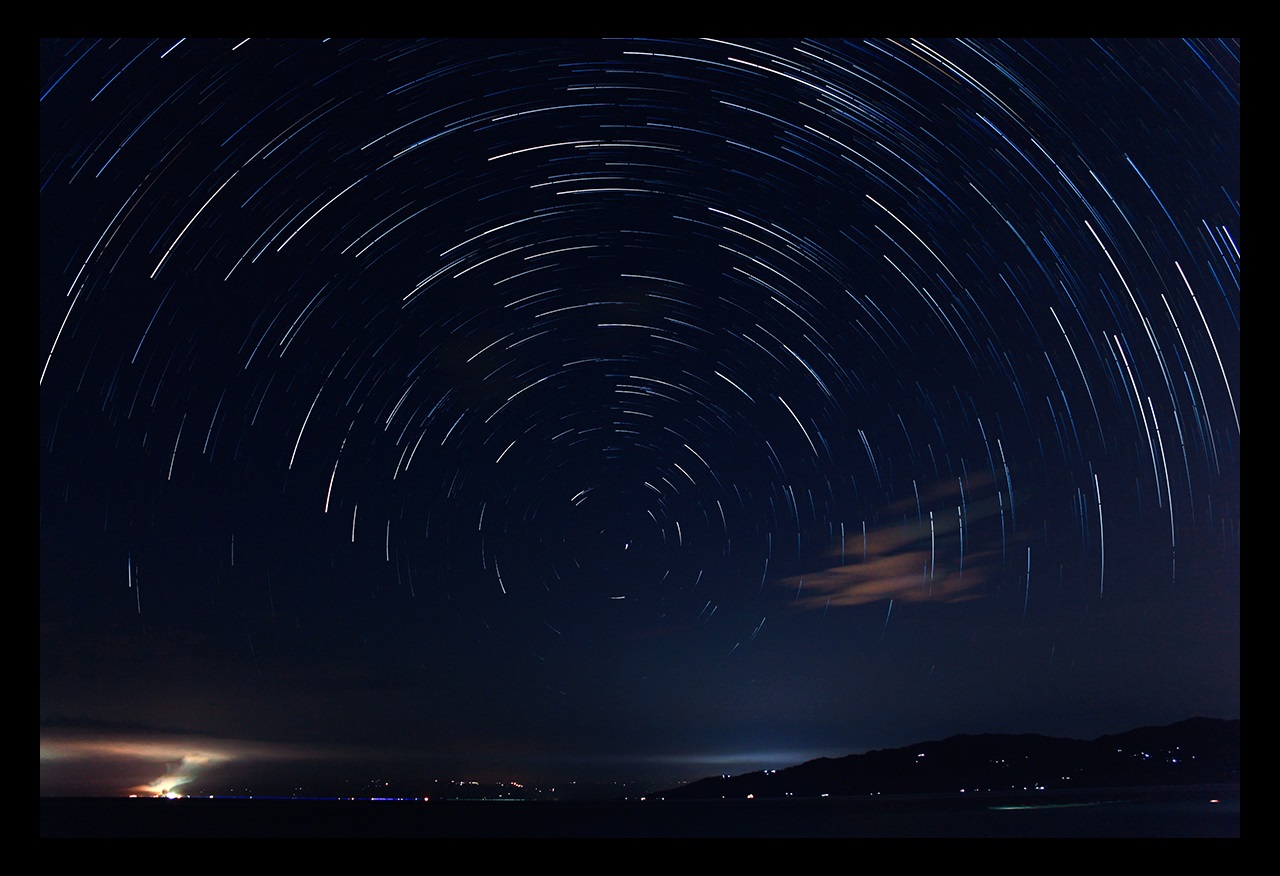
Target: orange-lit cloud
{"type": "Point", "coordinates": [921, 560]}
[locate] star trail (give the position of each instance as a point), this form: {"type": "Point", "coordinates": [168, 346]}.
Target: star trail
{"type": "Point", "coordinates": [634, 408]}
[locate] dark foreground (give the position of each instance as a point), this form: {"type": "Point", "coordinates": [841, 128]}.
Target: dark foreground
{"type": "Point", "coordinates": [1146, 812]}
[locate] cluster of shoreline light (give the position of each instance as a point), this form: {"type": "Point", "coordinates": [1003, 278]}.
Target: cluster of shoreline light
{"type": "Point", "coordinates": [505, 788]}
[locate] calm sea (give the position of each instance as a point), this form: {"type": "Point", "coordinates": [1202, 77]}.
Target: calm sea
{"type": "Point", "coordinates": [1146, 812]}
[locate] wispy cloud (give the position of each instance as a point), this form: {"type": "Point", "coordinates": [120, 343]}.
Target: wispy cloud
{"type": "Point", "coordinates": [931, 556]}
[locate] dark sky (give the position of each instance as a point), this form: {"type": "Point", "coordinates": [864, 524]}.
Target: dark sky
{"type": "Point", "coordinates": [633, 409]}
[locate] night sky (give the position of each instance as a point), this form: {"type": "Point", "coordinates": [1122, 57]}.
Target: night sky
{"type": "Point", "coordinates": [628, 409]}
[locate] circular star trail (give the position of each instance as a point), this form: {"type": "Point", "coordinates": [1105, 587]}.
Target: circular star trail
{"type": "Point", "coordinates": [638, 382]}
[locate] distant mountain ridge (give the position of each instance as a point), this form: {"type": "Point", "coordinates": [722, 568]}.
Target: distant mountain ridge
{"type": "Point", "coordinates": [1192, 752]}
